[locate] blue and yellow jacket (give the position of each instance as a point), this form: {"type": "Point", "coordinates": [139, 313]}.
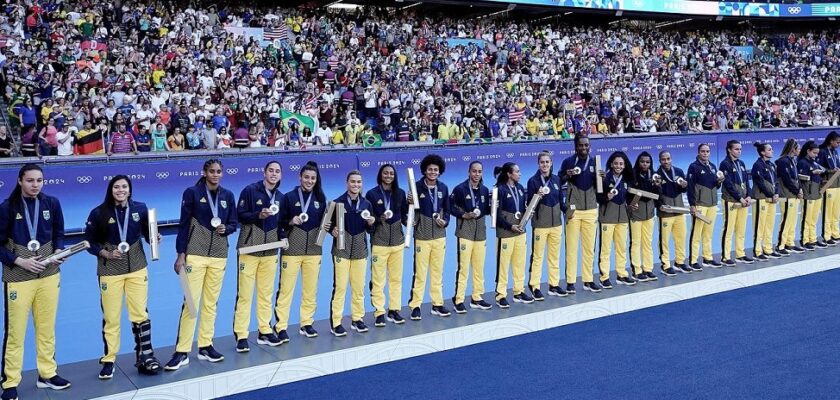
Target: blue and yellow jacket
{"type": "Point", "coordinates": [426, 228]}
{"type": "Point", "coordinates": [102, 232]}
{"type": "Point", "coordinates": [14, 235]}
{"type": "Point", "coordinates": [702, 184]}
{"type": "Point", "coordinates": [581, 189]}
{"type": "Point", "coordinates": [549, 212]}
{"type": "Point", "coordinates": [506, 215]}
{"type": "Point", "coordinates": [303, 237]}
{"type": "Point", "coordinates": [390, 233]}
{"type": "Point", "coordinates": [461, 201]}
{"type": "Point", "coordinates": [766, 184]}
{"type": "Point", "coordinates": [254, 230]}
{"type": "Point", "coordinates": [786, 171]}
{"type": "Point", "coordinates": [736, 183]}
{"type": "Point", "coordinates": [195, 234]}
{"type": "Point", "coordinates": [355, 228]}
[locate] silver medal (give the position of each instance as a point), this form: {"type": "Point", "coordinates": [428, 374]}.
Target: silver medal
{"type": "Point", "coordinates": [545, 190]}
{"type": "Point", "coordinates": [33, 245]}
{"type": "Point", "coordinates": [388, 214]}
{"type": "Point", "coordinates": [614, 192]}
{"type": "Point", "coordinates": [477, 212]}
{"type": "Point", "coordinates": [576, 171]}
{"type": "Point", "coordinates": [720, 174]}
{"type": "Point", "coordinates": [365, 214]}
{"type": "Point", "coordinates": [123, 247]}
{"type": "Point", "coordinates": [435, 216]}
{"type": "Point", "coordinates": [680, 181]}
{"type": "Point", "coordinates": [215, 222]}
{"type": "Point", "coordinates": [274, 209]}
{"type": "Point", "coordinates": [657, 178]}
{"type": "Point", "coordinates": [518, 215]}
{"type": "Point", "coordinates": [303, 217]}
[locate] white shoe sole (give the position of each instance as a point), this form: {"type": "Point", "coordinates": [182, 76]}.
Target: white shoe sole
{"type": "Point", "coordinates": [175, 368]}
{"type": "Point", "coordinates": [106, 377]}
{"type": "Point", "coordinates": [338, 334]}
{"type": "Point", "coordinates": [45, 385]}
{"type": "Point", "coordinates": [555, 294]}
{"type": "Point", "coordinates": [238, 350]}
{"type": "Point", "coordinates": [440, 314]}
{"type": "Point", "coordinates": [302, 333]}
{"type": "Point", "coordinates": [212, 360]}
{"type": "Point", "coordinates": [395, 321]}
{"type": "Point", "coordinates": [587, 288]}
{"type": "Point", "coordinates": [479, 307]}
{"type": "Point", "coordinates": [267, 343]}
{"type": "Point", "coordinates": [625, 283]}
{"type": "Point", "coordinates": [358, 330]}
{"type": "Point", "coordinates": [515, 300]}
{"type": "Point", "coordinates": [744, 262]}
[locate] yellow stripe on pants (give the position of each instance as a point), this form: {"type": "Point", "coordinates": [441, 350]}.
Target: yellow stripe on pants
{"type": "Point", "coordinates": [205, 275]}
{"type": "Point", "coordinates": [309, 267]}
{"type": "Point", "coordinates": [702, 232]}
{"type": "Point", "coordinates": [470, 254]}
{"type": "Point", "coordinates": [613, 234]}
{"type": "Point", "coordinates": [831, 214]}
{"type": "Point", "coordinates": [259, 272]}
{"type": "Point", "coordinates": [787, 231]}
{"type": "Point", "coordinates": [135, 287]}
{"type": "Point", "coordinates": [581, 229]}
{"type": "Point", "coordinates": [40, 297]}
{"type": "Point", "coordinates": [386, 260]}
{"type": "Point", "coordinates": [542, 237]}
{"type": "Point", "coordinates": [428, 257]}
{"type": "Point", "coordinates": [764, 217]}
{"type": "Point", "coordinates": [641, 249]}
{"type": "Point", "coordinates": [354, 271]}
{"type": "Point", "coordinates": [672, 226]}
{"type": "Point", "coordinates": [810, 218]}
{"type": "Point", "coordinates": [734, 225]}
{"type": "Point", "coordinates": [510, 256]}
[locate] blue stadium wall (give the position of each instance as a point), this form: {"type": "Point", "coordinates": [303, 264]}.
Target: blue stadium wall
{"type": "Point", "coordinates": [81, 186]}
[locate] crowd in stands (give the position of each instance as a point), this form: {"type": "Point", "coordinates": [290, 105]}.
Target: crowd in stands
{"type": "Point", "coordinates": [82, 77]}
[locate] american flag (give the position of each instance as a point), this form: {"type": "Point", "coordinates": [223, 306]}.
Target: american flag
{"type": "Point", "coordinates": [279, 32]}
{"type": "Point", "coordinates": [516, 115]}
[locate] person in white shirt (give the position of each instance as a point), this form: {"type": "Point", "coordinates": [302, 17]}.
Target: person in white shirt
{"type": "Point", "coordinates": [65, 140]}
{"type": "Point", "coordinates": [145, 116]}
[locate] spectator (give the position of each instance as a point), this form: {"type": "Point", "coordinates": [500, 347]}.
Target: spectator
{"type": "Point", "coordinates": [159, 138]}
{"type": "Point", "coordinates": [47, 139]}
{"type": "Point", "coordinates": [122, 142]}
{"type": "Point", "coordinates": [65, 139]}
{"type": "Point", "coordinates": [143, 140]}
{"type": "Point", "coordinates": [176, 141]}
{"type": "Point", "coordinates": [7, 143]}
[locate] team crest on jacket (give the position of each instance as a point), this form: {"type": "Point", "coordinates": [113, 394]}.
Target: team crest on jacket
{"type": "Point", "coordinates": [135, 217]}
{"type": "Point", "coordinates": [111, 220]}
{"type": "Point", "coordinates": [259, 202]}
{"type": "Point", "coordinates": [46, 215]}
{"type": "Point", "coordinates": [316, 204]}
{"type": "Point", "coordinates": [379, 201]}
{"type": "Point", "coordinates": [223, 203]}
{"type": "Point", "coordinates": [13, 295]}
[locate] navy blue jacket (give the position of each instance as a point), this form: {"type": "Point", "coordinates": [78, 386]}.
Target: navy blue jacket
{"type": "Point", "coordinates": [399, 204]}
{"type": "Point", "coordinates": [354, 224]}
{"type": "Point", "coordinates": [735, 174]}
{"type": "Point", "coordinates": [294, 207]}
{"type": "Point", "coordinates": [787, 172]}
{"type": "Point", "coordinates": [765, 171]}
{"type": "Point", "coordinates": [251, 202]}
{"type": "Point", "coordinates": [507, 203]}
{"type": "Point", "coordinates": [586, 178]}
{"type": "Point", "coordinates": [460, 204]}
{"type": "Point", "coordinates": [138, 225]}
{"type": "Point", "coordinates": [425, 201]}
{"type": "Point", "coordinates": [13, 225]}
{"type": "Point", "coordinates": [670, 188]}
{"type": "Point", "coordinates": [828, 158]}
{"type": "Point", "coordinates": [699, 174]}
{"type": "Point", "coordinates": [194, 204]}
{"type": "Point", "coordinates": [807, 166]}
{"type": "Point", "coordinates": [554, 197]}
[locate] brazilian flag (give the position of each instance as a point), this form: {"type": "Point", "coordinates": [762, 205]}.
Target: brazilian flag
{"type": "Point", "coordinates": [372, 141]}
{"type": "Point", "coordinates": [302, 121]}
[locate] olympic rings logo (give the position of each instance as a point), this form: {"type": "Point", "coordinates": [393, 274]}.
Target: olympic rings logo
{"type": "Point", "coordinates": [232, 171]}
{"type": "Point", "coordinates": [365, 164]}
{"type": "Point", "coordinates": [162, 175]}
{"type": "Point", "coordinates": [415, 161]}
{"type": "Point", "coordinates": [466, 158]}
{"type": "Point", "coordinates": [794, 10]}
{"type": "Point", "coordinates": [510, 155]}
{"type": "Point", "coordinates": [295, 167]}
{"type": "Point", "coordinates": [84, 179]}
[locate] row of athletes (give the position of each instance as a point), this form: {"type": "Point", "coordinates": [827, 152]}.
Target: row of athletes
{"type": "Point", "coordinates": [33, 229]}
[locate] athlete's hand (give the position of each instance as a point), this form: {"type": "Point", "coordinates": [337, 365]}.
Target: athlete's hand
{"type": "Point", "coordinates": [179, 262]}
{"type": "Point", "coordinates": [30, 264]}
{"type": "Point", "coordinates": [264, 213]}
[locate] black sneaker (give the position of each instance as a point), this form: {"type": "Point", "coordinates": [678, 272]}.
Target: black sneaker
{"type": "Point", "coordinates": [284, 336]}
{"type": "Point", "coordinates": [651, 276]}
{"type": "Point", "coordinates": [726, 262]}
{"type": "Point", "coordinates": [642, 277]}
{"type": "Point", "coordinates": [359, 326]}
{"type": "Point", "coordinates": [9, 394]}
{"type": "Point", "coordinates": [696, 267]}
{"type": "Point", "coordinates": [269, 339]}
{"type": "Point", "coordinates": [831, 242]}
{"type": "Point", "coordinates": [210, 354]}
{"type": "Point", "coordinates": [107, 371]}
{"type": "Point", "coordinates": [774, 254]}
{"type": "Point", "coordinates": [809, 246]}
{"type": "Point", "coordinates": [54, 383]}
{"type": "Point", "coordinates": [395, 317]}
{"type": "Point", "coordinates": [711, 263]}
{"type": "Point", "coordinates": [523, 297]}
{"type": "Point", "coordinates": [178, 360]}
{"type": "Point", "coordinates": [440, 311]}
{"type": "Point", "coordinates": [783, 252]}
{"type": "Point", "coordinates": [338, 331]}
{"type": "Point", "coordinates": [592, 287]}
{"type": "Point", "coordinates": [796, 249]}
{"type": "Point", "coordinates": [626, 280]}
{"type": "Point", "coordinates": [538, 296]}
{"type": "Point", "coordinates": [502, 303]}
{"type": "Point", "coordinates": [606, 284]}
{"type": "Point", "coordinates": [821, 244]}
{"type": "Point", "coordinates": [669, 272]}
{"type": "Point", "coordinates": [460, 308]}
{"type": "Point", "coordinates": [415, 314]}
{"type": "Point", "coordinates": [762, 257]}
{"type": "Point", "coordinates": [685, 268]}
{"type": "Point", "coordinates": [379, 321]}
{"type": "Point", "coordinates": [306, 330]}
{"type": "Point", "coordinates": [570, 288]}
{"type": "Point", "coordinates": [481, 304]}
{"type": "Point", "coordinates": [745, 260]}
{"type": "Point", "coordinates": [557, 291]}
{"type": "Point", "coordinates": [242, 346]}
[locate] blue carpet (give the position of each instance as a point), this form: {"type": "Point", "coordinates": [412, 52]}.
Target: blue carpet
{"type": "Point", "coordinates": [779, 340]}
